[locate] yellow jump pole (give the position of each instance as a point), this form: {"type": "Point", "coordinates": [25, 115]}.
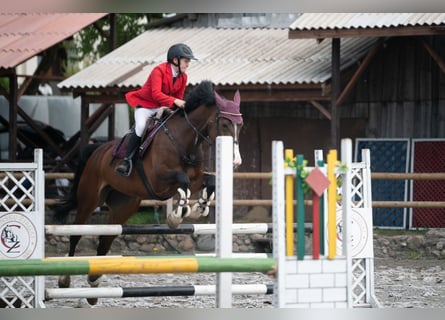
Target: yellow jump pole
{"type": "Point", "coordinates": [289, 154]}
{"type": "Point", "coordinates": [332, 205]}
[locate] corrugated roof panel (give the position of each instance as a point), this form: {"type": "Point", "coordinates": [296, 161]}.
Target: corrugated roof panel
{"type": "Point", "coordinates": [314, 21]}
{"type": "Point", "coordinates": [27, 34]}
{"type": "Point", "coordinates": [226, 57]}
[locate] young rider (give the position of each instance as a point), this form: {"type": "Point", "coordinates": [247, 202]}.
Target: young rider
{"type": "Point", "coordinates": [164, 87]}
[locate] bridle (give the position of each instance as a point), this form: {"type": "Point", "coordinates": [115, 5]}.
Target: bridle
{"type": "Point", "coordinates": [188, 159]}
{"type": "Point", "coordinates": [191, 158]}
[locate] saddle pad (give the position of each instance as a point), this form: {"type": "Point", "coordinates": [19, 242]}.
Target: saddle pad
{"type": "Point", "coordinates": [120, 148]}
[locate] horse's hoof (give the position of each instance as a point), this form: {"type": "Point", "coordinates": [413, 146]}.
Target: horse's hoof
{"type": "Point", "coordinates": [198, 211]}
{"type": "Point", "coordinates": [185, 211]}
{"type": "Point", "coordinates": [173, 222]}
{"type": "Point", "coordinates": [64, 281]}
{"type": "Point", "coordinates": [94, 281]}
{"type": "Point", "coordinates": [92, 301]}
{"type": "Point", "coordinates": [206, 211]}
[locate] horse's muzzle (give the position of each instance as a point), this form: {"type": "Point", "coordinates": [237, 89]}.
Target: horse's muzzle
{"type": "Point", "coordinates": [236, 156]}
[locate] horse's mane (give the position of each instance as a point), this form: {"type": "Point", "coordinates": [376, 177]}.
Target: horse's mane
{"type": "Point", "coordinates": [203, 94]}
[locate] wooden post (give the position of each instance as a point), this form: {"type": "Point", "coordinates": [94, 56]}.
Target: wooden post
{"type": "Point", "coordinates": [335, 85]}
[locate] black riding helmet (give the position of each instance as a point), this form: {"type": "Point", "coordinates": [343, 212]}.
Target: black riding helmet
{"type": "Point", "coordinates": [179, 50]}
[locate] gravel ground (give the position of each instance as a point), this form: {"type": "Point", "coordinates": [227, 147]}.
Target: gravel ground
{"type": "Point", "coordinates": [398, 284]}
{"type": "Point", "coordinates": [410, 283]}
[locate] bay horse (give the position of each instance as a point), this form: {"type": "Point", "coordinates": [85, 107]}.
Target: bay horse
{"type": "Point", "coordinates": [172, 165]}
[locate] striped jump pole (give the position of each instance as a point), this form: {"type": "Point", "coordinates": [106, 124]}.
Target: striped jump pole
{"type": "Point", "coordinates": [201, 254]}
{"type": "Point", "coordinates": [132, 265]}
{"type": "Point", "coordinates": [152, 229]}
{"type": "Point", "coordinates": [159, 229]}
{"type": "Point", "coordinates": [154, 291]}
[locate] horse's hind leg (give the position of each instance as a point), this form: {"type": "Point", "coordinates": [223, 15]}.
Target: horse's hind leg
{"type": "Point", "coordinates": [65, 280]}
{"type": "Point", "coordinates": [103, 248]}
{"type": "Point", "coordinates": [84, 212]}
{"type": "Point", "coordinates": [121, 208]}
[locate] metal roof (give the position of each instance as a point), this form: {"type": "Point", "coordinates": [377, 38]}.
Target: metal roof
{"type": "Point", "coordinates": [226, 57]}
{"type": "Point", "coordinates": [323, 21]}
{"type": "Point", "coordinates": [23, 35]}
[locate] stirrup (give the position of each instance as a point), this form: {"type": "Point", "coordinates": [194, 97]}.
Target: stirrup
{"type": "Point", "coordinates": [125, 172]}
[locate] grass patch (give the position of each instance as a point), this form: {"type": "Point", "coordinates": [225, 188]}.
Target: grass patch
{"type": "Point", "coordinates": [396, 232]}
{"type": "Point", "coordinates": [146, 216]}
{"type": "Point", "coordinates": [414, 255]}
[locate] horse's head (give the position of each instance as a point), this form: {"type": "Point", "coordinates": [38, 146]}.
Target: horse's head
{"type": "Point", "coordinates": [218, 116]}
{"type": "Point", "coordinates": [229, 122]}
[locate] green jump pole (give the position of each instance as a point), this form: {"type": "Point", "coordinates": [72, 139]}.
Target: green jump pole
{"type": "Point", "coordinates": [132, 265]}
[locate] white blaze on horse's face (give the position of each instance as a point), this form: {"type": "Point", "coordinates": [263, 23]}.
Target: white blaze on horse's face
{"type": "Point", "coordinates": [236, 154]}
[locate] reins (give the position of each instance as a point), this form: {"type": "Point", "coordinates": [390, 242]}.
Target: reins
{"type": "Point", "coordinates": [188, 159]}
{"type": "Point", "coordinates": [197, 132]}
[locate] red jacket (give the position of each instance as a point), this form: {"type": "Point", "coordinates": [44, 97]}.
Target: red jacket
{"type": "Point", "coordinates": [159, 90]}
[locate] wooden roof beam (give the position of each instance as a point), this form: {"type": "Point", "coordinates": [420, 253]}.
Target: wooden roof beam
{"type": "Point", "coordinates": [433, 55]}
{"type": "Point", "coordinates": [358, 73]}
{"type": "Point", "coordinates": [249, 93]}
{"type": "Point", "coordinates": [278, 93]}
{"type": "Point", "coordinates": [322, 109]}
{"type": "Point", "coordinates": [278, 96]}
{"type": "Point", "coordinates": [367, 32]}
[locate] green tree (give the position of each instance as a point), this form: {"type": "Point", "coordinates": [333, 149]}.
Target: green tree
{"type": "Point", "coordinates": [94, 41]}
{"type": "Point", "coordinates": [89, 45]}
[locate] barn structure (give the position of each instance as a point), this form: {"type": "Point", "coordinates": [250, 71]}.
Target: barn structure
{"type": "Point", "coordinates": [324, 77]}
{"type": "Point", "coordinates": [23, 36]}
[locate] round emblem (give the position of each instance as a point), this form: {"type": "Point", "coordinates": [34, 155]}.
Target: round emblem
{"type": "Point", "coordinates": [18, 236]}
{"type": "Point", "coordinates": [358, 234]}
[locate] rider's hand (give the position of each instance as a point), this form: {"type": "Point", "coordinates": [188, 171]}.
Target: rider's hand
{"type": "Point", "coordinates": [180, 103]}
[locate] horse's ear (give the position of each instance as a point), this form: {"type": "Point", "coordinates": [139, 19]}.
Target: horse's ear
{"type": "Point", "coordinates": [219, 99]}
{"type": "Point", "coordinates": [237, 98]}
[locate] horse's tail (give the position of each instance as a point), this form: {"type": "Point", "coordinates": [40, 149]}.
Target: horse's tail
{"type": "Point", "coordinates": [62, 210]}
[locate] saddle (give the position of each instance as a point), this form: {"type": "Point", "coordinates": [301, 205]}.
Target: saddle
{"type": "Point", "coordinates": [120, 149]}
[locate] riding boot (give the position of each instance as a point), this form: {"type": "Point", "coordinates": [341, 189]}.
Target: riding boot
{"type": "Point", "coordinates": [124, 168]}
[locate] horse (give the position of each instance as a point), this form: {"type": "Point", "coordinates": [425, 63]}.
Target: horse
{"type": "Point", "coordinates": [171, 166]}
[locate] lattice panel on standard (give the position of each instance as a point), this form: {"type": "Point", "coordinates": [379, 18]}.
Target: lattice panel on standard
{"type": "Point", "coordinates": [387, 155]}
{"type": "Point", "coordinates": [17, 191]}
{"type": "Point", "coordinates": [22, 209]}
{"type": "Point", "coordinates": [17, 292]}
{"type": "Point", "coordinates": [428, 156]}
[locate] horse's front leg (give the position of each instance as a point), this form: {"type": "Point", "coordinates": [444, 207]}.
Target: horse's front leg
{"type": "Point", "coordinates": [175, 217]}
{"type": "Point", "coordinates": [202, 207]}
